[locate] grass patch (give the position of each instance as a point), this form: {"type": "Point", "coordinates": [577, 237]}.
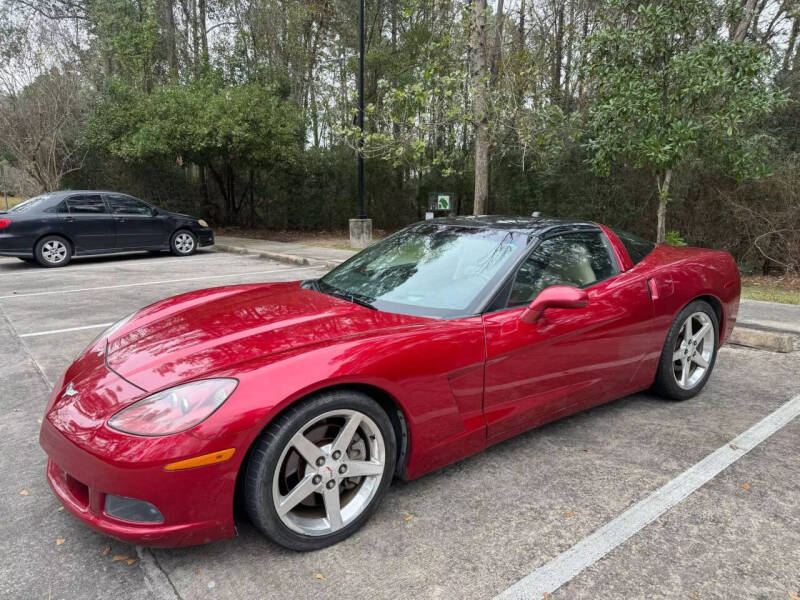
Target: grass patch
{"type": "Point", "coordinates": [785, 290]}
{"type": "Point", "coordinates": [12, 201]}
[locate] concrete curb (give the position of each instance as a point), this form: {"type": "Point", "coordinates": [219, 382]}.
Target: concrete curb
{"type": "Point", "coordinates": [291, 259]}
{"type": "Point", "coordinates": [763, 340]}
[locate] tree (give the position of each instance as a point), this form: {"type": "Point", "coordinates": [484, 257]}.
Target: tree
{"type": "Point", "coordinates": [228, 129]}
{"type": "Point", "coordinates": [41, 127]}
{"type": "Point", "coordinates": [669, 88]}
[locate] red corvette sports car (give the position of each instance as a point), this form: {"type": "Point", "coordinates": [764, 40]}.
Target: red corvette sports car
{"type": "Point", "coordinates": [301, 401]}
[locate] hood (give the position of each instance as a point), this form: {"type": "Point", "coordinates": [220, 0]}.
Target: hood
{"type": "Point", "coordinates": [195, 334]}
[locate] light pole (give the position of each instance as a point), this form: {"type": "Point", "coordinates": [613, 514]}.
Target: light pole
{"type": "Point", "coordinates": [361, 227]}
{"type": "Point", "coordinates": [361, 214]}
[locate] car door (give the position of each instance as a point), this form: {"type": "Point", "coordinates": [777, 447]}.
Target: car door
{"type": "Point", "coordinates": [138, 224]}
{"type": "Point", "coordinates": [88, 223]}
{"type": "Point", "coordinates": [570, 359]}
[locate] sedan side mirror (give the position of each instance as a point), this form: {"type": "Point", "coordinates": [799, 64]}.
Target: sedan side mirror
{"type": "Point", "coordinates": [155, 212]}
{"type": "Point", "coordinates": [555, 296]}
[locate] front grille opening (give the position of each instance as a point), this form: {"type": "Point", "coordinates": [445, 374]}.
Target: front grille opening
{"type": "Point", "coordinates": [79, 491]}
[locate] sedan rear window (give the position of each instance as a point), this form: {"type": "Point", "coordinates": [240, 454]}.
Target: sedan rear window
{"type": "Point", "coordinates": [33, 203]}
{"type": "Point", "coordinates": [637, 247]}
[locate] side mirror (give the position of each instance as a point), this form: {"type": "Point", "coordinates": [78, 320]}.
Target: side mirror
{"type": "Point", "coordinates": [555, 296]}
{"type": "Point", "coordinates": [155, 212]}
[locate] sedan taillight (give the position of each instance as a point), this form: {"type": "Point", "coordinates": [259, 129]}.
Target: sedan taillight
{"type": "Point", "coordinates": [4, 223]}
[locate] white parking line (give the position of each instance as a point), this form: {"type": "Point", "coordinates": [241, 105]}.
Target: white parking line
{"type": "Point", "coordinates": [160, 282]}
{"type": "Point", "coordinates": [143, 261]}
{"type": "Point", "coordinates": [67, 330]}
{"type": "Point", "coordinates": [562, 569]}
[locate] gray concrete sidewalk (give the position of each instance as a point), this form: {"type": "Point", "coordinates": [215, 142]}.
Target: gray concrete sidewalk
{"type": "Point", "coordinates": [770, 316]}
{"type": "Point", "coordinates": [292, 252]}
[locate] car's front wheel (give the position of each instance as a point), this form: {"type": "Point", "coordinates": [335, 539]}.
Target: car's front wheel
{"type": "Point", "coordinates": [689, 352]}
{"type": "Point", "coordinates": [183, 243]}
{"type": "Point", "coordinates": [319, 471]}
{"type": "Point", "coordinates": [53, 251]}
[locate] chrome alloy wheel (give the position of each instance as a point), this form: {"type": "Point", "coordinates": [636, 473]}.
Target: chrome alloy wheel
{"type": "Point", "coordinates": [184, 243]}
{"type": "Point", "coordinates": [693, 351]}
{"type": "Point", "coordinates": [54, 252]}
{"type": "Point", "coordinates": [329, 472]}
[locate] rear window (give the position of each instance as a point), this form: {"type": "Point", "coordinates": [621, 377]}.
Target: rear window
{"type": "Point", "coordinates": [33, 203]}
{"type": "Point", "coordinates": [637, 247]}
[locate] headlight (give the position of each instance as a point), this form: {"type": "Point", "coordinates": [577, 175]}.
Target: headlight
{"type": "Point", "coordinates": [175, 409]}
{"type": "Point", "coordinates": [202, 223]}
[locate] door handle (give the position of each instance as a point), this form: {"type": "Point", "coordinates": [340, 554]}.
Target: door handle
{"type": "Point", "coordinates": [70, 219]}
{"type": "Point", "coordinates": [652, 288]}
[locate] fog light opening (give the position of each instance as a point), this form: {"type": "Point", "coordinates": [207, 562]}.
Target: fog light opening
{"type": "Point", "coordinates": [131, 509]}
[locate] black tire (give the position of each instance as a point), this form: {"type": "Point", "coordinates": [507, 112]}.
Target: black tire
{"type": "Point", "coordinates": [268, 449]}
{"type": "Point", "coordinates": [53, 251]}
{"type": "Point", "coordinates": [183, 243]}
{"type": "Point", "coordinates": [667, 377]}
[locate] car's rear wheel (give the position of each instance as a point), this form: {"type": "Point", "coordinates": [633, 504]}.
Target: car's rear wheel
{"type": "Point", "coordinates": [53, 251]}
{"type": "Point", "coordinates": [183, 243]}
{"type": "Point", "coordinates": [319, 471]}
{"type": "Point", "coordinates": [689, 353]}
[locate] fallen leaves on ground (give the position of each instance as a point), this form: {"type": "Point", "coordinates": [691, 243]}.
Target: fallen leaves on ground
{"type": "Point", "coordinates": [24, 492]}
{"type": "Point", "coordinates": [319, 576]}
{"type": "Point", "coordinates": [106, 550]}
{"type": "Point", "coordinates": [408, 516]}
{"type": "Point", "coordinates": [793, 596]}
{"type": "Point", "coordinates": [60, 541]}
{"type": "Point", "coordinates": [746, 486]}
{"type": "Point", "coordinates": [124, 558]}
{"type": "Point", "coordinates": [693, 596]}
{"type": "Point", "coordinates": [567, 515]}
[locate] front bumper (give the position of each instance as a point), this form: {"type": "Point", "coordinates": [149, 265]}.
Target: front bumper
{"type": "Point", "coordinates": [205, 237]}
{"type": "Point", "coordinates": [197, 504]}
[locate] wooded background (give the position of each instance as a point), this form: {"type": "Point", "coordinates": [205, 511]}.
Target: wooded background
{"type": "Point", "coordinates": [675, 119]}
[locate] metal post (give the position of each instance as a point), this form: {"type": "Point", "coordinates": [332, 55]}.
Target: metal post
{"type": "Point", "coordinates": [361, 214]}
{"type": "Point", "coordinates": [5, 183]}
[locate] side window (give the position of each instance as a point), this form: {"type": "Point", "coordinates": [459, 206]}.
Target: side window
{"type": "Point", "coordinates": [59, 208]}
{"type": "Point", "coordinates": [579, 259]}
{"type": "Point", "coordinates": [126, 205]}
{"type": "Point", "coordinates": [87, 204]}
{"type": "Point", "coordinates": [637, 247]}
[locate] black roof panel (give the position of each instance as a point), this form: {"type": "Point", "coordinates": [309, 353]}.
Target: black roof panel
{"type": "Point", "coordinates": [530, 225]}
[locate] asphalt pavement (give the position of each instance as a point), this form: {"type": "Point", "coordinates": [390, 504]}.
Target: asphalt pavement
{"type": "Point", "coordinates": [471, 530]}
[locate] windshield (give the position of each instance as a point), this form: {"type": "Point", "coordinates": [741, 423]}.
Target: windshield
{"type": "Point", "coordinates": [29, 204]}
{"type": "Point", "coordinates": [428, 270]}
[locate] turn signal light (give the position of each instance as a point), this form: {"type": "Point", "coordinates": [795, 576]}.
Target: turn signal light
{"type": "Point", "coordinates": [4, 223]}
{"type": "Point", "coordinates": [201, 461]}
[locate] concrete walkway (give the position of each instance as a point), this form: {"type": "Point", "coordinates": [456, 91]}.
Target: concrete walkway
{"type": "Point", "coordinates": [286, 251]}
{"type": "Point", "coordinates": [770, 316]}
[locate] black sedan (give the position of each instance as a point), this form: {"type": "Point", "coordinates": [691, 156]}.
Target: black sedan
{"type": "Point", "coordinates": [54, 227]}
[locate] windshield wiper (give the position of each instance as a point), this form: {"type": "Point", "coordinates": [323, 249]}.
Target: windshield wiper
{"type": "Point", "coordinates": [337, 293]}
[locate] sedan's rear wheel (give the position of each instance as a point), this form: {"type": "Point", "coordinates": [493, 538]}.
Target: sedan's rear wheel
{"type": "Point", "coordinates": [689, 353]}
{"type": "Point", "coordinates": [320, 469]}
{"type": "Point", "coordinates": [53, 251]}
